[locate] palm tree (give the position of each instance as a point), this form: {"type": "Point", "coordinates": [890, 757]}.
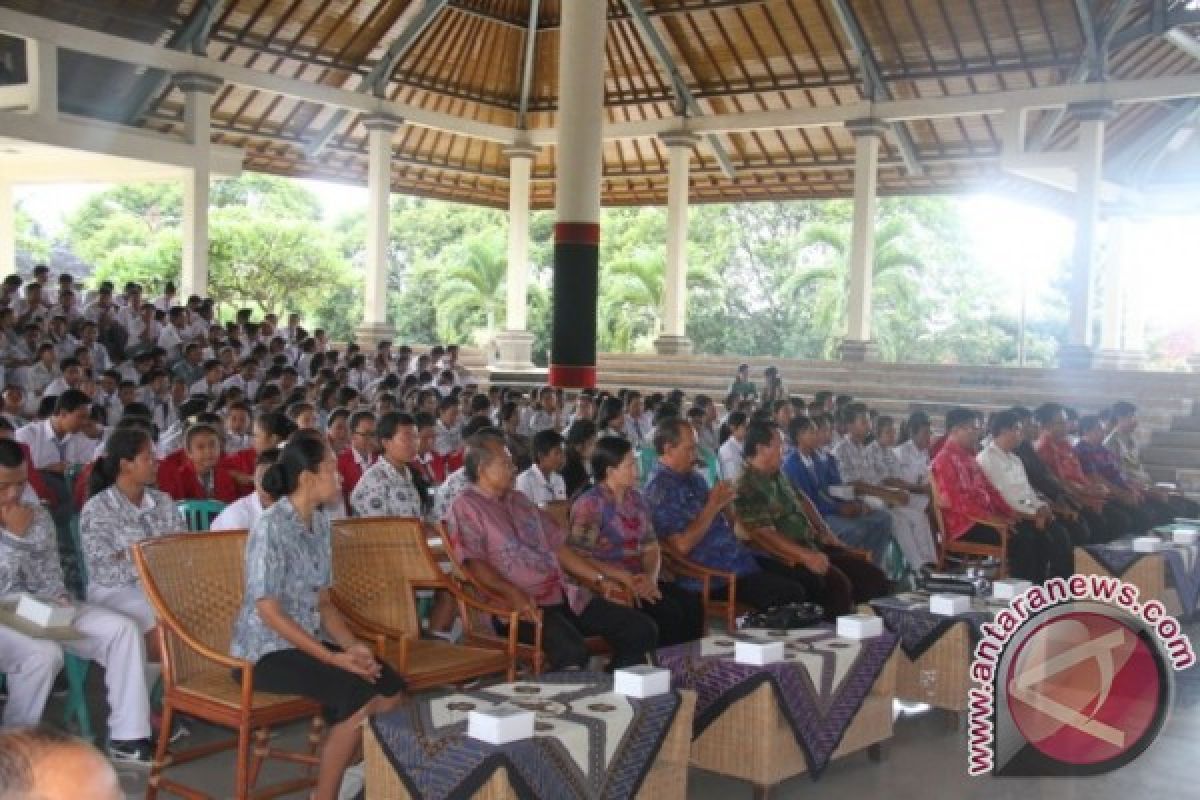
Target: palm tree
{"type": "Point", "coordinates": [470, 290]}
{"type": "Point", "coordinates": [824, 284]}
{"type": "Point", "coordinates": [631, 298]}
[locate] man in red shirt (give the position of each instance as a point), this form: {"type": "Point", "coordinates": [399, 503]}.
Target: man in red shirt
{"type": "Point", "coordinates": [361, 454]}
{"type": "Point", "coordinates": [971, 506]}
{"type": "Point", "coordinates": [1054, 449]}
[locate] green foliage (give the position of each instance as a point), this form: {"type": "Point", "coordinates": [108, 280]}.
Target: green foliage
{"type": "Point", "coordinates": [31, 238]}
{"type": "Point", "coordinates": [763, 278]}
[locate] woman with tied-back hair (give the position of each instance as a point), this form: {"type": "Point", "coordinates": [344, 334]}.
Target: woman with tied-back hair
{"type": "Point", "coordinates": [288, 627]}
{"type": "Point", "coordinates": [123, 509]}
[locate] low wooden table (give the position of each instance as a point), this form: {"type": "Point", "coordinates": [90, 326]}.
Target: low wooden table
{"type": "Point", "coordinates": [666, 778]}
{"type": "Point", "coordinates": [1169, 578]}
{"type": "Point", "coordinates": [751, 735]}
{"type": "Point", "coordinates": [934, 660]}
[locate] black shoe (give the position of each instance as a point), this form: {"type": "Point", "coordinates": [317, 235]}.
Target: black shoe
{"type": "Point", "coordinates": [134, 752]}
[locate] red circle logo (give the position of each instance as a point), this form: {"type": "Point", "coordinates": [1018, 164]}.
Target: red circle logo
{"type": "Point", "coordinates": [1085, 689]}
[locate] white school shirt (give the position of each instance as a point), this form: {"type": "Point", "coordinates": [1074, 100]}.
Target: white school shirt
{"type": "Point", "coordinates": [539, 489]}
{"type": "Point", "coordinates": [239, 515]}
{"type": "Point", "coordinates": [45, 448]}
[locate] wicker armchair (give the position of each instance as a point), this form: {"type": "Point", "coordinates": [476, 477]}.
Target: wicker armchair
{"type": "Point", "coordinates": [195, 582]}
{"type": "Point", "coordinates": [966, 551]}
{"type": "Point", "coordinates": [722, 608]}
{"type": "Point", "coordinates": [378, 564]}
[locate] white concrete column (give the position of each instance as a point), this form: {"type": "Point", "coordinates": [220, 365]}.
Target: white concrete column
{"type": "Point", "coordinates": [380, 129]}
{"type": "Point", "coordinates": [1092, 118]}
{"type": "Point", "coordinates": [674, 339]}
{"type": "Point", "coordinates": [43, 63]}
{"type": "Point", "coordinates": [1111, 333]}
{"type": "Point", "coordinates": [868, 133]}
{"type": "Point", "coordinates": [514, 345]}
{"type": "Point", "coordinates": [8, 230]}
{"type": "Point", "coordinates": [198, 91]}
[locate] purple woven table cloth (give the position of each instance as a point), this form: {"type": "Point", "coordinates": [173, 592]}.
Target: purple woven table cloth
{"type": "Point", "coordinates": [1183, 566]}
{"type": "Point", "coordinates": [589, 742]}
{"type": "Point", "coordinates": [908, 616]}
{"type": "Point", "coordinates": [820, 686]}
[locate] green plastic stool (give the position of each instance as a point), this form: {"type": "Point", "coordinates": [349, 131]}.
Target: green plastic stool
{"type": "Point", "coordinates": [199, 514]}
{"type": "Point", "coordinates": [77, 708]}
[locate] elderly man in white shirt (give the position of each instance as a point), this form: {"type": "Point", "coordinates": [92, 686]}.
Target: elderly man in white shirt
{"type": "Point", "coordinates": [542, 483]}
{"type": "Point", "coordinates": [1006, 471]}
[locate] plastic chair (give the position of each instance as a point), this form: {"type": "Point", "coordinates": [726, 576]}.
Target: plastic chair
{"type": "Point", "coordinates": [647, 460]}
{"type": "Point", "coordinates": [199, 514]}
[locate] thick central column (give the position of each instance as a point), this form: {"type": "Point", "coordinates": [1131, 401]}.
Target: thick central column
{"type": "Point", "coordinates": [674, 330]}
{"type": "Point", "coordinates": [198, 91]}
{"type": "Point", "coordinates": [380, 128]}
{"type": "Point", "coordinates": [1092, 118]}
{"type": "Point", "coordinates": [577, 196]}
{"type": "Point", "coordinates": [868, 133]}
{"type": "Point", "coordinates": [515, 342]}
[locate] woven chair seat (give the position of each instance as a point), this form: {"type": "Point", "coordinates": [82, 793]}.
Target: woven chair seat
{"type": "Point", "coordinates": [435, 662]}
{"type": "Point", "coordinates": [218, 686]}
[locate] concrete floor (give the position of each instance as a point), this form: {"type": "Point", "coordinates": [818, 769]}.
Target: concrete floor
{"type": "Point", "coordinates": [925, 760]}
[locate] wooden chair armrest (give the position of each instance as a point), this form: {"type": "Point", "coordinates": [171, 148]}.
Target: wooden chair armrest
{"type": "Point", "coordinates": [1002, 528]}
{"type": "Point", "coordinates": [770, 548]}
{"type": "Point", "coordinates": [683, 566]}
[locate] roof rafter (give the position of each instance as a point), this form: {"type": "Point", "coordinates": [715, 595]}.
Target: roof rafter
{"type": "Point", "coordinates": [874, 86]}
{"type": "Point", "coordinates": [529, 49]}
{"type": "Point", "coordinates": [192, 36]}
{"type": "Point", "coordinates": [686, 104]}
{"type": "Point", "coordinates": [375, 81]}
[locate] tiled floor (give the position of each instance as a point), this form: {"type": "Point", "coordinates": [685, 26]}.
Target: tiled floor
{"type": "Point", "coordinates": [925, 760]}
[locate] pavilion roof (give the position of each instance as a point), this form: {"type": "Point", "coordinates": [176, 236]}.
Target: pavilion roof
{"type": "Point", "coordinates": [466, 59]}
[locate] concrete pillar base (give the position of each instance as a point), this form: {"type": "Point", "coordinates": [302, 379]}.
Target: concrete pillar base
{"type": "Point", "coordinates": [514, 351]}
{"type": "Point", "coordinates": [1075, 356]}
{"type": "Point", "coordinates": [368, 336]}
{"type": "Point", "coordinates": [858, 350]}
{"type": "Point", "coordinates": [666, 345]}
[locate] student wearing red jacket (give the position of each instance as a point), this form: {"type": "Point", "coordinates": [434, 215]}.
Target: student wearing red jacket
{"type": "Point", "coordinates": [271, 430]}
{"type": "Point", "coordinates": [361, 454]}
{"type": "Point", "coordinates": [193, 473]}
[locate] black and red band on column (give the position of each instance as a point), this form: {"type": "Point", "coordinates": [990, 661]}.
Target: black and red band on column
{"type": "Point", "coordinates": [576, 292]}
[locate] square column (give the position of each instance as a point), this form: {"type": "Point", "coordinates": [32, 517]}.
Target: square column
{"type": "Point", "coordinates": [673, 339]}
{"type": "Point", "coordinates": [515, 343]}
{"type": "Point", "coordinates": [1092, 118]}
{"type": "Point", "coordinates": [198, 91]}
{"type": "Point", "coordinates": [380, 129]}
{"type": "Point", "coordinates": [858, 345]}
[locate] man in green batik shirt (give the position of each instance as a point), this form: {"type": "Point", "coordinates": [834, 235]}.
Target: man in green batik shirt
{"type": "Point", "coordinates": [769, 509]}
{"type": "Point", "coordinates": [742, 386]}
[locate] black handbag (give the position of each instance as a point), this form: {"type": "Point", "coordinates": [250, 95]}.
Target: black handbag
{"type": "Point", "coordinates": [786, 617]}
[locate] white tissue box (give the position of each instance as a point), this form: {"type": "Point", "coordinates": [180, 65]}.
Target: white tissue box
{"type": "Point", "coordinates": [859, 626]}
{"type": "Point", "coordinates": [1147, 544]}
{"type": "Point", "coordinates": [1009, 588]}
{"type": "Point", "coordinates": [949, 605]}
{"type": "Point", "coordinates": [842, 492]}
{"type": "Point", "coordinates": [47, 615]}
{"type": "Point", "coordinates": [641, 681]}
{"type": "Point", "coordinates": [1185, 535]}
{"type": "Point", "coordinates": [757, 653]}
{"type": "Point", "coordinates": [500, 725]}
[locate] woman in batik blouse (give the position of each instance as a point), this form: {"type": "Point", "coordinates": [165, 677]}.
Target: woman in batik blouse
{"type": "Point", "coordinates": [288, 627]}
{"type": "Point", "coordinates": [610, 523]}
{"type": "Point", "coordinates": [124, 509]}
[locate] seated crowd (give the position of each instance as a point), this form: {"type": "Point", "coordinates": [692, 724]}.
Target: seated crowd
{"type": "Point", "coordinates": [117, 409]}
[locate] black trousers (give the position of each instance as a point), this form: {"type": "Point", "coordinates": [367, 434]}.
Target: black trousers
{"type": "Point", "coordinates": [848, 581]}
{"type": "Point", "coordinates": [767, 589]}
{"type": "Point", "coordinates": [631, 634]}
{"type": "Point", "coordinates": [1077, 529]}
{"type": "Point", "coordinates": [1107, 524]}
{"type": "Point", "coordinates": [1182, 507]}
{"type": "Point", "coordinates": [340, 693]}
{"type": "Point", "coordinates": [679, 615]}
{"type": "Point", "coordinates": [1033, 555]}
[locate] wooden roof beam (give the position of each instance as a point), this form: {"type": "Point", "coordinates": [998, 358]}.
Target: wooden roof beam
{"type": "Point", "coordinates": [1098, 38]}
{"type": "Point", "coordinates": [685, 103]}
{"type": "Point", "coordinates": [192, 36]}
{"type": "Point", "coordinates": [376, 80]}
{"type": "Point", "coordinates": [529, 49]}
{"type": "Point", "coordinates": [874, 86]}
